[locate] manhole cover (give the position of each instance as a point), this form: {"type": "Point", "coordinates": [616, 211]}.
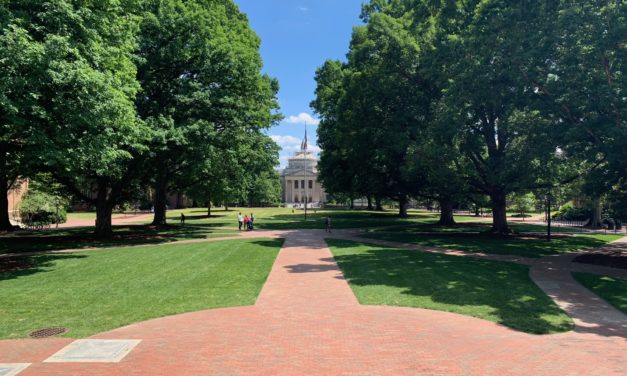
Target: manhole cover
{"type": "Point", "coordinates": [48, 332]}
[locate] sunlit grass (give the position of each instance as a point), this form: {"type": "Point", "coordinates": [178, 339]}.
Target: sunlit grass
{"type": "Point", "coordinates": [495, 291]}
{"type": "Point", "coordinates": [91, 292]}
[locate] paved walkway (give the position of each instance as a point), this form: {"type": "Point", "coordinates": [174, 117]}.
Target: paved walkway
{"type": "Point", "coordinates": [307, 321]}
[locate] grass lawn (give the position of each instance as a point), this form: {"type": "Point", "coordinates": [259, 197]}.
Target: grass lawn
{"type": "Point", "coordinates": [613, 290]}
{"type": "Point", "coordinates": [48, 240]}
{"type": "Point", "coordinates": [490, 290]}
{"type": "Point", "coordinates": [91, 292]}
{"type": "Point", "coordinates": [464, 238]}
{"type": "Point", "coordinates": [287, 219]}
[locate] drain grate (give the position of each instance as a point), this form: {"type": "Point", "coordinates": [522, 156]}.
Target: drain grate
{"type": "Point", "coordinates": [47, 332]}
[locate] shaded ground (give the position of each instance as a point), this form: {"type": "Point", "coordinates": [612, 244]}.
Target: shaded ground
{"type": "Point", "coordinates": [77, 238]}
{"type": "Point", "coordinates": [528, 245]}
{"type": "Point", "coordinates": [613, 290]}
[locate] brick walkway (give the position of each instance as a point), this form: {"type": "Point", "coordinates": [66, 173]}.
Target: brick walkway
{"type": "Point", "coordinates": [307, 321]}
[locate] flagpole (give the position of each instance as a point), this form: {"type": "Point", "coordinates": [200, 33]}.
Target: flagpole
{"type": "Point", "coordinates": [305, 170]}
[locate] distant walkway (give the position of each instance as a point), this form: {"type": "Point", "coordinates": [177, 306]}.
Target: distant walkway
{"type": "Point", "coordinates": [307, 321]}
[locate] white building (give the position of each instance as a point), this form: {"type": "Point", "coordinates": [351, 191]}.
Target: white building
{"type": "Point", "coordinates": [299, 181]}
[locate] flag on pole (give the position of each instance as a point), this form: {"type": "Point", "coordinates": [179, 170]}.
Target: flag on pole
{"type": "Point", "coordinates": [303, 145]}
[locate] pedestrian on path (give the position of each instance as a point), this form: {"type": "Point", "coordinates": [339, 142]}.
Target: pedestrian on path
{"type": "Point", "coordinates": [246, 220]}
{"type": "Point", "coordinates": [327, 223]}
{"type": "Point", "coordinates": [252, 222]}
{"type": "Point", "coordinates": [182, 219]}
{"type": "Point", "coordinates": [240, 220]}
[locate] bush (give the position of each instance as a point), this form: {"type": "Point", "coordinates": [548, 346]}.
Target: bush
{"type": "Point", "coordinates": [569, 213]}
{"type": "Point", "coordinates": [40, 208]}
{"type": "Point", "coordinates": [609, 222]}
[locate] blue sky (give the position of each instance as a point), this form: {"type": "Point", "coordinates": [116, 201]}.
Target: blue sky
{"type": "Point", "coordinates": [297, 36]}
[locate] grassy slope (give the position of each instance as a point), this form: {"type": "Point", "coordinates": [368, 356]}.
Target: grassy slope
{"type": "Point", "coordinates": [613, 290]}
{"type": "Point", "coordinates": [93, 292]}
{"type": "Point", "coordinates": [495, 291]}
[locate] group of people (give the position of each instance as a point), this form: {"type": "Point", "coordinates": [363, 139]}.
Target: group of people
{"type": "Point", "coordinates": [248, 223]}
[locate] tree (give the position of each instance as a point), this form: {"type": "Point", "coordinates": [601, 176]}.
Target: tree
{"type": "Point", "coordinates": [584, 92]}
{"type": "Point", "coordinates": [200, 77]}
{"type": "Point", "coordinates": [84, 127]}
{"type": "Point", "coordinates": [491, 61]}
{"type": "Point", "coordinates": [372, 110]}
{"type": "Point", "coordinates": [523, 203]}
{"type": "Point", "coordinates": [20, 63]}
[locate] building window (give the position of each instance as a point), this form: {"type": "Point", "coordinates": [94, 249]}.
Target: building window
{"type": "Point", "coordinates": [310, 184]}
{"type": "Point", "coordinates": [296, 198]}
{"type": "Point", "coordinates": [296, 184]}
{"type": "Point", "coordinates": [310, 200]}
{"type": "Point", "coordinates": [302, 183]}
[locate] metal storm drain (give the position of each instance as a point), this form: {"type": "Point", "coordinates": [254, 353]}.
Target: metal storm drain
{"type": "Point", "coordinates": [47, 332]}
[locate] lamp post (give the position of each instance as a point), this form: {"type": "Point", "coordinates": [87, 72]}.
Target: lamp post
{"type": "Point", "coordinates": [305, 169]}
{"type": "Point", "coordinates": [548, 216]}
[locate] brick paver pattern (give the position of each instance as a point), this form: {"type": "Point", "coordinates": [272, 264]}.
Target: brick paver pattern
{"type": "Point", "coordinates": [307, 321]}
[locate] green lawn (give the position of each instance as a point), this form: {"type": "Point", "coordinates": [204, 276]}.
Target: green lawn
{"type": "Point", "coordinates": [490, 290]}
{"type": "Point", "coordinates": [91, 292]}
{"type": "Point", "coordinates": [463, 238]}
{"type": "Point", "coordinates": [48, 240]}
{"type": "Point", "coordinates": [287, 219]}
{"type": "Point", "coordinates": [613, 290]}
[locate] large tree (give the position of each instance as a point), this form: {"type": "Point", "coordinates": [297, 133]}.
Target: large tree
{"type": "Point", "coordinates": [200, 77]}
{"type": "Point", "coordinates": [491, 60]}
{"type": "Point", "coordinates": [84, 128]}
{"type": "Point", "coordinates": [20, 63]}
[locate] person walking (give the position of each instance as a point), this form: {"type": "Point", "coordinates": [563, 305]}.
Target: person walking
{"type": "Point", "coordinates": [252, 221]}
{"type": "Point", "coordinates": [240, 220]}
{"type": "Point", "coordinates": [182, 219]}
{"type": "Point", "coordinates": [327, 223]}
{"type": "Point", "coordinates": [246, 220]}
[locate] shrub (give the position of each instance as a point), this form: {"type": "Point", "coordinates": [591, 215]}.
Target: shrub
{"type": "Point", "coordinates": [40, 208]}
{"type": "Point", "coordinates": [569, 213]}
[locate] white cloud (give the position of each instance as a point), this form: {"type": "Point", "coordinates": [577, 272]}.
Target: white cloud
{"type": "Point", "coordinates": [303, 9]}
{"type": "Point", "coordinates": [285, 140]}
{"type": "Point", "coordinates": [292, 144]}
{"type": "Point", "coordinates": [303, 118]}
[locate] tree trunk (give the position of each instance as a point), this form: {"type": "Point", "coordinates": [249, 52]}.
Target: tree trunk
{"type": "Point", "coordinates": [402, 206]}
{"type": "Point", "coordinates": [226, 206]}
{"type": "Point", "coordinates": [209, 208]}
{"type": "Point", "coordinates": [499, 213]}
{"type": "Point", "coordinates": [369, 203]}
{"type": "Point", "coordinates": [596, 221]}
{"type": "Point", "coordinates": [446, 213]}
{"type": "Point", "coordinates": [5, 223]}
{"type": "Point", "coordinates": [161, 202]}
{"type": "Point", "coordinates": [104, 208]}
{"type": "Point", "coordinates": [378, 206]}
{"type": "Point", "coordinates": [477, 214]}
{"type": "Point", "coordinates": [351, 204]}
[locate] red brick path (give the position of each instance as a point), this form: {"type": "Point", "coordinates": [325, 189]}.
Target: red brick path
{"type": "Point", "coordinates": [307, 321]}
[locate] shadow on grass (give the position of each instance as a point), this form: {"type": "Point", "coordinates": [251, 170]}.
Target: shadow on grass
{"type": "Point", "coordinates": [495, 291]}
{"type": "Point", "coordinates": [16, 267]}
{"type": "Point", "coordinates": [24, 242]}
